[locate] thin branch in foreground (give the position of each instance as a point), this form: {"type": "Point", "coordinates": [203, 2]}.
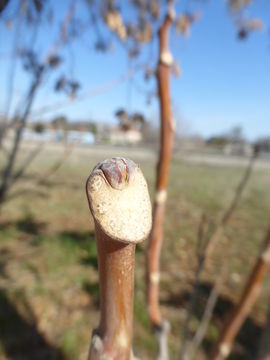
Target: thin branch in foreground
{"type": "Point", "coordinates": [208, 312]}
{"type": "Point", "coordinates": [195, 290]}
{"type": "Point", "coordinates": [238, 315]}
{"type": "Point", "coordinates": [235, 200]}
{"type": "Point", "coordinates": [166, 143]}
{"type": "Point", "coordinates": [210, 241]}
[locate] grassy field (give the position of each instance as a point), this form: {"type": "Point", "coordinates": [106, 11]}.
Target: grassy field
{"type": "Point", "coordinates": [48, 266]}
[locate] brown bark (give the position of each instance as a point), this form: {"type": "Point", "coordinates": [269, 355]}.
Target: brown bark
{"type": "Point", "coordinates": [120, 204]}
{"type": "Point", "coordinates": [239, 314]}
{"type": "Point", "coordinates": [166, 144]}
{"type": "Point", "coordinates": [116, 278]}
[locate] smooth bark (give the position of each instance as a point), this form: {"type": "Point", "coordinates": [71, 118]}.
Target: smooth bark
{"type": "Point", "coordinates": [166, 145]}
{"type": "Point", "coordinates": [235, 320]}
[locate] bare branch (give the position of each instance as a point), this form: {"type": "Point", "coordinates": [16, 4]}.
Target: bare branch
{"type": "Point", "coordinates": [56, 166]}
{"type": "Point", "coordinates": [7, 175]}
{"type": "Point", "coordinates": [239, 313]}
{"type": "Point", "coordinates": [208, 311]}
{"type": "Point", "coordinates": [12, 69]}
{"type": "Point", "coordinates": [19, 173]}
{"type": "Point", "coordinates": [91, 93]}
{"type": "Point", "coordinates": [42, 178]}
{"type": "Point", "coordinates": [38, 70]}
{"type": "Point", "coordinates": [116, 189]}
{"type": "Point", "coordinates": [211, 239]}
{"type": "Point", "coordinates": [167, 135]}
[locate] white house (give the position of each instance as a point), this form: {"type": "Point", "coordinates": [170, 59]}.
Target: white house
{"type": "Point", "coordinates": [121, 137]}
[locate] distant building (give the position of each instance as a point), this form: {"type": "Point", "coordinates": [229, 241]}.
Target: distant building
{"type": "Point", "coordinates": [125, 137]}
{"type": "Point", "coordinates": [49, 135]}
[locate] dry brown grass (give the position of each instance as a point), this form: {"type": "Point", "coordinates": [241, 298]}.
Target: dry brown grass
{"type": "Point", "coordinates": [48, 268]}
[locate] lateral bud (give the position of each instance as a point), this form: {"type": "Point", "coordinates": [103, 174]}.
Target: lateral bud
{"type": "Point", "coordinates": [166, 58]}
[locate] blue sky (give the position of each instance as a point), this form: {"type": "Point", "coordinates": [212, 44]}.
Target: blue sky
{"type": "Point", "coordinates": [225, 82]}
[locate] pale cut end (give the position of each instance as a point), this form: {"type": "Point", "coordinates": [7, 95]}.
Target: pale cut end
{"type": "Point", "coordinates": [119, 200]}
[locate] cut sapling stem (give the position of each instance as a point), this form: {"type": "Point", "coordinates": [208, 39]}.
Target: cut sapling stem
{"type": "Point", "coordinates": [119, 202]}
